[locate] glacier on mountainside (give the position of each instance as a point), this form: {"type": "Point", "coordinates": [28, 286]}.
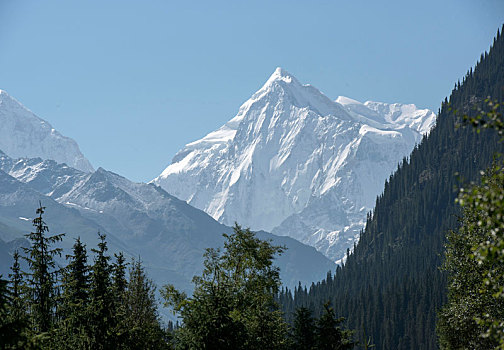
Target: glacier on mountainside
{"type": "Point", "coordinates": [295, 163]}
{"type": "Point", "coordinates": [23, 134]}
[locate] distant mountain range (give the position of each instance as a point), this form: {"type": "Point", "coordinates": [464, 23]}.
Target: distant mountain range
{"type": "Point", "coordinates": [139, 219]}
{"type": "Point", "coordinates": [291, 161]}
{"type": "Point", "coordinates": [298, 164]}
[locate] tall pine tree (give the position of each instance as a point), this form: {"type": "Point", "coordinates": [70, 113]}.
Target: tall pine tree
{"type": "Point", "coordinates": [328, 333]}
{"type": "Point", "coordinates": [74, 325]}
{"type": "Point", "coordinates": [142, 319]}
{"type": "Point", "coordinates": [41, 277]}
{"type": "Point", "coordinates": [101, 306]}
{"type": "Point", "coordinates": [17, 287]}
{"type": "Point", "coordinates": [303, 332]}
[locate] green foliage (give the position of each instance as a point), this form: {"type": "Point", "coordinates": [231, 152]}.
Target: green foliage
{"type": "Point", "coordinates": [17, 291]}
{"type": "Point", "coordinates": [42, 275]}
{"type": "Point", "coordinates": [10, 332]}
{"type": "Point", "coordinates": [486, 206]}
{"type": "Point", "coordinates": [487, 203]}
{"type": "Point", "coordinates": [101, 307]}
{"type": "Point", "coordinates": [457, 327]}
{"type": "Point", "coordinates": [141, 318]}
{"type": "Point", "coordinates": [474, 258]}
{"type": "Point", "coordinates": [119, 282]}
{"type": "Point", "coordinates": [233, 303]}
{"type": "Point", "coordinates": [329, 335]}
{"type": "Point", "coordinates": [15, 333]}
{"type": "Point", "coordinates": [98, 308]}
{"type": "Point", "coordinates": [303, 331]}
{"type": "Point", "coordinates": [119, 286]}
{"type": "Point", "coordinates": [391, 284]}
{"type": "Point", "coordinates": [488, 118]}
{"type": "Point", "coordinates": [73, 327]}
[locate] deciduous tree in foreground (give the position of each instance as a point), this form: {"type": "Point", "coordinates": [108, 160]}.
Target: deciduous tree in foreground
{"type": "Point", "coordinates": [233, 303]}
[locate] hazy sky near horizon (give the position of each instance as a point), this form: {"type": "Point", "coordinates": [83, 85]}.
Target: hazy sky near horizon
{"type": "Point", "coordinates": [134, 81]}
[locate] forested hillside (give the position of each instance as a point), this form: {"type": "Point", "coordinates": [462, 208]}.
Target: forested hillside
{"type": "Point", "coordinates": [391, 287]}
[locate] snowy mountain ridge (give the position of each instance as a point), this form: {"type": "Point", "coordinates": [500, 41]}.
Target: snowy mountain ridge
{"type": "Point", "coordinates": [294, 162]}
{"type": "Point", "coordinates": [23, 134]}
{"type": "Point", "coordinates": [139, 219]}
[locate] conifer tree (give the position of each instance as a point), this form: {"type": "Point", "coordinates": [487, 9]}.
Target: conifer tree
{"type": "Point", "coordinates": [119, 286]}
{"type": "Point", "coordinates": [142, 320]}
{"type": "Point", "coordinates": [41, 278]}
{"type": "Point", "coordinates": [119, 282]}
{"type": "Point", "coordinates": [101, 305]}
{"type": "Point", "coordinates": [14, 326]}
{"type": "Point", "coordinates": [10, 330]}
{"type": "Point", "coordinates": [303, 332]}
{"type": "Point", "coordinates": [329, 335]}
{"type": "Point", "coordinates": [18, 310]}
{"type": "Point", "coordinates": [74, 323]}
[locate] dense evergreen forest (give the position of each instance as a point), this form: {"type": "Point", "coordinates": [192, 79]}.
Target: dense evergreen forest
{"type": "Point", "coordinates": [391, 287]}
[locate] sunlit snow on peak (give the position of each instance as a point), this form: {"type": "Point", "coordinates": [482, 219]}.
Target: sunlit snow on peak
{"type": "Point", "coordinates": [23, 134]}
{"type": "Point", "coordinates": [342, 100]}
{"type": "Point", "coordinates": [281, 74]}
{"type": "Point", "coordinates": [297, 163]}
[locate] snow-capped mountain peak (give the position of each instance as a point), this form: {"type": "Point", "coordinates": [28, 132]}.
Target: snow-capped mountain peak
{"type": "Point", "coordinates": [298, 163]}
{"type": "Point", "coordinates": [282, 84]}
{"type": "Point", "coordinates": [281, 74]}
{"type": "Point", "coordinates": [23, 134]}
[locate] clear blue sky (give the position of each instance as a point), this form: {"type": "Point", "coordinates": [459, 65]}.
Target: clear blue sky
{"type": "Point", "coordinates": [134, 81]}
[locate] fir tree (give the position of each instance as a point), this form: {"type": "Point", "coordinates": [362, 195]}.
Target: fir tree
{"type": "Point", "coordinates": [10, 330]}
{"type": "Point", "coordinates": [18, 310]}
{"type": "Point", "coordinates": [328, 333]}
{"type": "Point", "coordinates": [14, 331]}
{"type": "Point", "coordinates": [119, 282]}
{"type": "Point", "coordinates": [74, 325]}
{"type": "Point", "coordinates": [41, 278]}
{"type": "Point", "coordinates": [303, 332]}
{"type": "Point", "coordinates": [101, 305]}
{"type": "Point", "coordinates": [141, 319]}
{"type": "Point", "coordinates": [119, 286]}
